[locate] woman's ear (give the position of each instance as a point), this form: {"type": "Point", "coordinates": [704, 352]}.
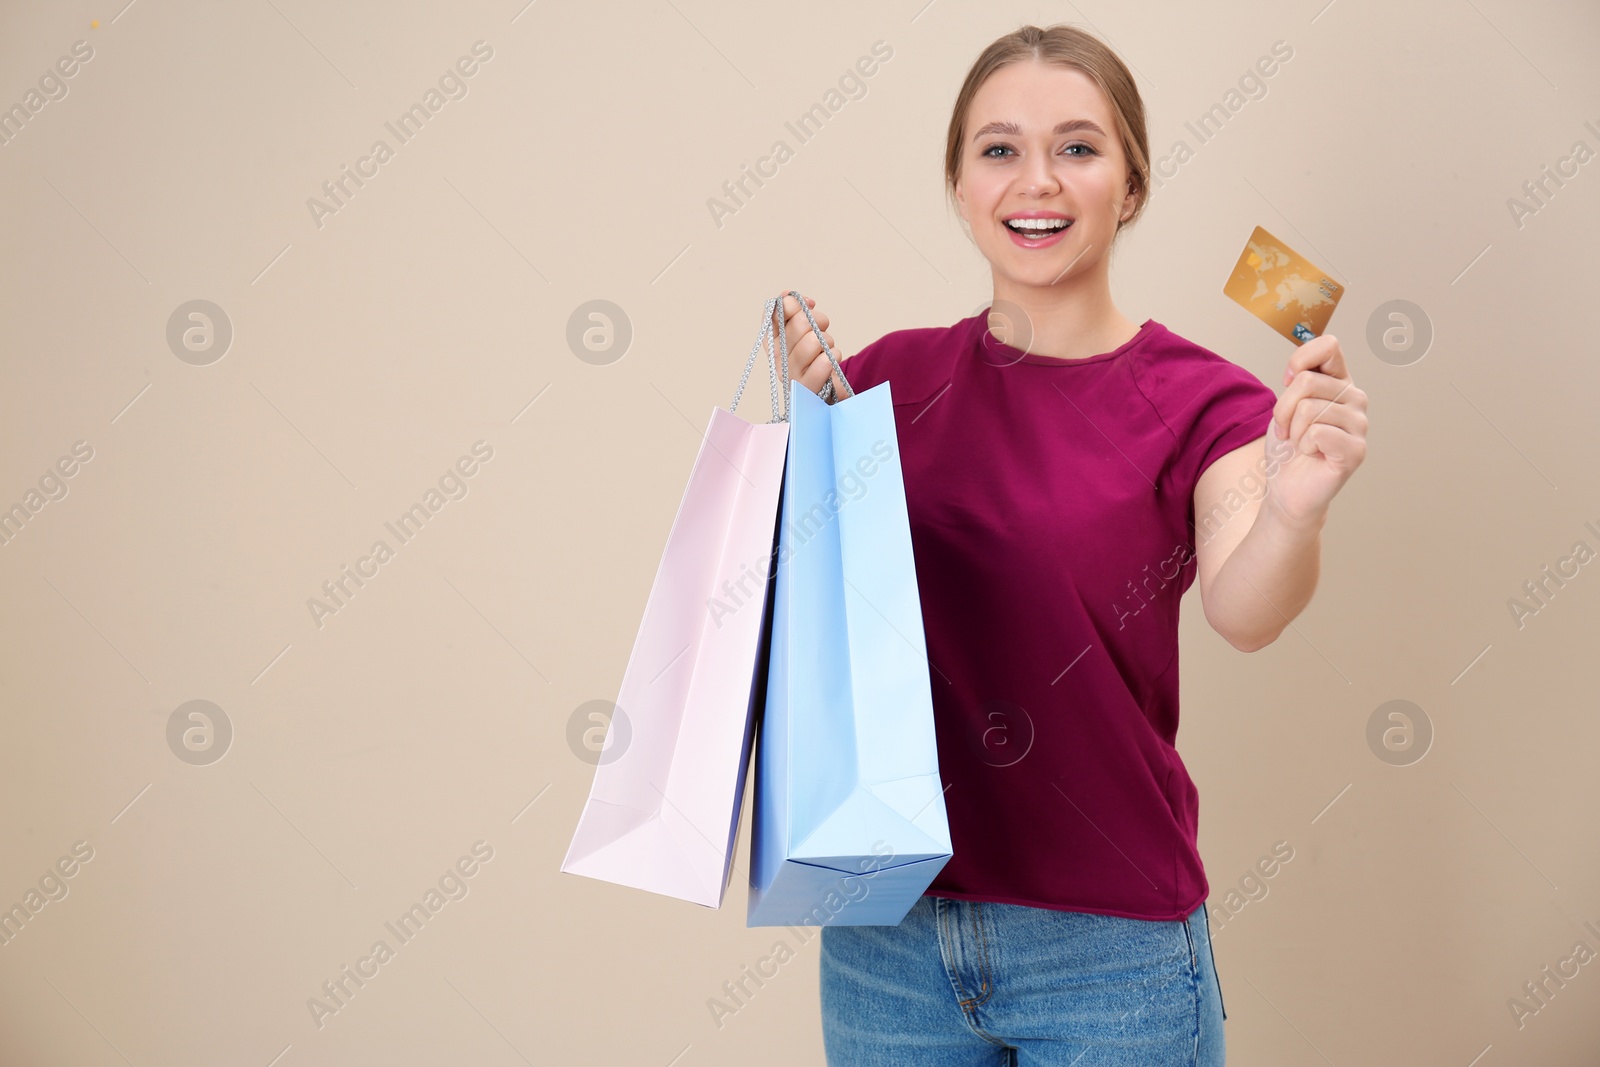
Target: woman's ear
{"type": "Point", "coordinates": [961, 206]}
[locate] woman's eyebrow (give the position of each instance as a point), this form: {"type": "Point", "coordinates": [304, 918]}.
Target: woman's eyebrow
{"type": "Point", "coordinates": [1061, 127]}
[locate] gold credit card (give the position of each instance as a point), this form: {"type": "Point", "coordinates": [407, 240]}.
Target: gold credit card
{"type": "Point", "coordinates": [1282, 288]}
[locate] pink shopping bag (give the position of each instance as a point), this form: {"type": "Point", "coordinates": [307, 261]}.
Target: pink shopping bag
{"type": "Point", "coordinates": [663, 810]}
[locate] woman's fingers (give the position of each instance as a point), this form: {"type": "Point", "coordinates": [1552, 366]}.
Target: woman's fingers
{"type": "Point", "coordinates": [803, 345]}
{"type": "Point", "coordinates": [803, 352]}
{"type": "Point", "coordinates": [831, 345]}
{"type": "Point", "coordinates": [807, 364]}
{"type": "Point", "coordinates": [795, 329]}
{"type": "Point", "coordinates": [792, 313]}
{"type": "Point", "coordinates": [821, 370]}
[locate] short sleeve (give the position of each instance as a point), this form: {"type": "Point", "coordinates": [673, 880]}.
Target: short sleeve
{"type": "Point", "coordinates": [1227, 407]}
{"type": "Point", "coordinates": [917, 363]}
{"type": "Point", "coordinates": [861, 368]}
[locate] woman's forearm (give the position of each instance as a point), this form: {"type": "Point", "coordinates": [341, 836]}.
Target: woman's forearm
{"type": "Point", "coordinates": [1268, 579]}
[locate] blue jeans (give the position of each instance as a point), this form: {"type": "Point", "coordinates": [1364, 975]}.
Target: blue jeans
{"type": "Point", "coordinates": [965, 983]}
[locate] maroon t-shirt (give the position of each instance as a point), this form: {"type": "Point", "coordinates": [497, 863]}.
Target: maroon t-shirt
{"type": "Point", "coordinates": [1051, 505]}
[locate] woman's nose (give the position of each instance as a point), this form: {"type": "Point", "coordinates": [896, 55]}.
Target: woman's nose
{"type": "Point", "coordinates": [1037, 176]}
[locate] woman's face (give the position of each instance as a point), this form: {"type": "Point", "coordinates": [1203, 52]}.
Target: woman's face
{"type": "Point", "coordinates": [1041, 142]}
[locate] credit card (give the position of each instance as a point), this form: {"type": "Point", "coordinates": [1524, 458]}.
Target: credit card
{"type": "Point", "coordinates": [1282, 288]}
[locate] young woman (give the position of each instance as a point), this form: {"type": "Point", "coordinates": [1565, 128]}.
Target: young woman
{"type": "Point", "coordinates": [1054, 476]}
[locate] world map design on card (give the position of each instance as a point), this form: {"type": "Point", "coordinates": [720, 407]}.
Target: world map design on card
{"type": "Point", "coordinates": [1282, 288]}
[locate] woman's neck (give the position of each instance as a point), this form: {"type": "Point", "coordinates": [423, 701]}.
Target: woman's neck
{"type": "Point", "coordinates": [1062, 323]}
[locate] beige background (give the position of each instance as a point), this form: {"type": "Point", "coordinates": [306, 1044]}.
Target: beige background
{"type": "Point", "coordinates": [431, 311]}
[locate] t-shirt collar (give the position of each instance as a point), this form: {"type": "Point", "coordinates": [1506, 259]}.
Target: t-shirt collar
{"type": "Point", "coordinates": [998, 354]}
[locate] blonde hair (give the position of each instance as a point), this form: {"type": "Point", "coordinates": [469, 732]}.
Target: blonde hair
{"type": "Point", "coordinates": [1069, 47]}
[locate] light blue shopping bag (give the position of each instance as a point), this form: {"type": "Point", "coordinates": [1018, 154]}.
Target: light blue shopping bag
{"type": "Point", "coordinates": [849, 824]}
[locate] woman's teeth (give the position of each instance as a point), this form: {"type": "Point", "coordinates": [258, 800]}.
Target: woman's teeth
{"type": "Point", "coordinates": [1037, 228]}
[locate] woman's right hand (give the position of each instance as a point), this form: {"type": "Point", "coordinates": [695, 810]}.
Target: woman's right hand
{"type": "Point", "coordinates": [808, 365]}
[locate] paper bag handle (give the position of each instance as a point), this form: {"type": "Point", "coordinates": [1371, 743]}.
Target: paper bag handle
{"type": "Point", "coordinates": [767, 329]}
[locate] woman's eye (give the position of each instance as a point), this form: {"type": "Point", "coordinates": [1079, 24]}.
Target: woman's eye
{"type": "Point", "coordinates": [1087, 149]}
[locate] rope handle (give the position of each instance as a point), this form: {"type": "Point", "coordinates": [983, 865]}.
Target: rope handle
{"type": "Point", "coordinates": [750, 361]}
{"type": "Point", "coordinates": [765, 335]}
{"type": "Point", "coordinates": [823, 341]}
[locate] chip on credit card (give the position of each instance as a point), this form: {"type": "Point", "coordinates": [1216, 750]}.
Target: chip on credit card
{"type": "Point", "coordinates": [1282, 288]}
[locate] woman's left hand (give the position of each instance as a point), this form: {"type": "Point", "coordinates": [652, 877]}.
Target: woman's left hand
{"type": "Point", "coordinates": [1324, 418]}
